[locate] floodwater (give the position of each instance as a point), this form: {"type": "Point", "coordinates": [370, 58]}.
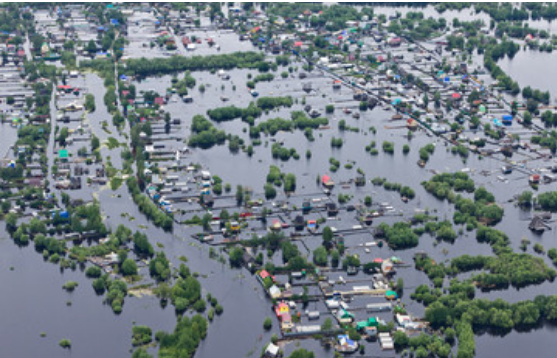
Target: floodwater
{"type": "Point", "coordinates": [532, 68]}
{"type": "Point", "coordinates": [33, 300]}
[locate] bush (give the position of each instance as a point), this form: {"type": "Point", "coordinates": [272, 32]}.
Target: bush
{"type": "Point", "coordinates": [141, 335]}
{"type": "Point", "coordinates": [70, 286]}
{"type": "Point", "coordinates": [93, 272]}
{"type": "Point", "coordinates": [388, 147]}
{"type": "Point", "coordinates": [268, 323]}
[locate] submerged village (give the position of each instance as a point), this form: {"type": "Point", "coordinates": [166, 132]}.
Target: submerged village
{"type": "Point", "coordinates": [278, 179]}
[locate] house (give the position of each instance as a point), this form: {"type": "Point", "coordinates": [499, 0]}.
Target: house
{"type": "Point", "coordinates": [299, 222]}
{"type": "Point", "coordinates": [63, 155]}
{"type": "Point", "coordinates": [403, 320]}
{"type": "Point", "coordinates": [271, 351]}
{"type": "Point", "coordinates": [346, 345]}
{"type": "Point", "coordinates": [537, 225]}
{"type": "Point", "coordinates": [234, 226]}
{"type": "Point", "coordinates": [395, 41]}
{"type": "Point", "coordinates": [327, 182]}
{"type": "Point", "coordinates": [208, 199]}
{"type": "Point", "coordinates": [332, 209]}
{"type": "Point", "coordinates": [274, 292]}
{"type": "Point", "coordinates": [276, 225]}
{"type": "Point", "coordinates": [281, 310]}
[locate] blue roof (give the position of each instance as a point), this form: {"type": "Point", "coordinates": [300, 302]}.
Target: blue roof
{"type": "Point", "coordinates": [101, 28]}
{"type": "Point", "coordinates": [123, 77]}
{"type": "Point", "coordinates": [63, 214]}
{"type": "Point", "coordinates": [114, 21]}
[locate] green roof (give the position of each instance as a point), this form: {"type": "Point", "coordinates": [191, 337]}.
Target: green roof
{"type": "Point", "coordinates": [63, 154]}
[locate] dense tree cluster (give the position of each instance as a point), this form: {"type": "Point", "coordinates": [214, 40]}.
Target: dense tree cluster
{"type": "Point", "coordinates": [185, 339]}
{"type": "Point", "coordinates": [150, 67]}
{"type": "Point", "coordinates": [399, 236]}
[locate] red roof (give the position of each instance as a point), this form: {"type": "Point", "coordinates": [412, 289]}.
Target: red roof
{"type": "Point", "coordinates": [264, 274]}
{"type": "Point", "coordinates": [125, 93]}
{"type": "Point", "coordinates": [456, 95]}
{"type": "Point", "coordinates": [325, 179]}
{"type": "Point", "coordinates": [64, 87]}
{"type": "Point", "coordinates": [298, 44]}
{"type": "Point", "coordinates": [159, 100]}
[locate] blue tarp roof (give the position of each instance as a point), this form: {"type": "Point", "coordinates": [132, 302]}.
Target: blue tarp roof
{"type": "Point", "coordinates": [123, 77]}
{"type": "Point", "coordinates": [63, 214]}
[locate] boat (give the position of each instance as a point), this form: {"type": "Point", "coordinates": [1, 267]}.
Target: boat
{"type": "Point", "coordinates": [347, 111]}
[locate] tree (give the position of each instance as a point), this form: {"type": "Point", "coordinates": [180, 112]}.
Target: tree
{"type": "Point", "coordinates": [141, 353]}
{"type": "Point", "coordinates": [327, 325]}
{"type": "Point", "coordinates": [525, 199]}
{"type": "Point", "coordinates": [129, 267]}
{"type": "Point", "coordinates": [328, 236]}
{"type": "Point", "coordinates": [400, 340]}
{"type": "Point", "coordinates": [268, 323]}
{"type": "Point", "coordinates": [236, 257]}
{"type": "Point", "coordinates": [141, 245]}
{"type": "Point", "coordinates": [91, 47]}
{"type": "Point", "coordinates": [527, 118]}
{"type": "Point", "coordinates": [302, 353]}
{"type": "Point", "coordinates": [335, 258]}
{"type": "Point", "coordinates": [320, 256]}
{"type": "Point", "coordinates": [239, 195]}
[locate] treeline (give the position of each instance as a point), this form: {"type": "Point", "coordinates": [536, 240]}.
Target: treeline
{"type": "Point", "coordinates": [150, 67]}
{"type": "Point", "coordinates": [147, 207]}
{"type": "Point", "coordinates": [229, 113]}
{"type": "Point", "coordinates": [270, 103]}
{"type": "Point", "coordinates": [251, 112]}
{"type": "Point", "coordinates": [492, 55]}
{"type": "Point", "coordinates": [185, 339]}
